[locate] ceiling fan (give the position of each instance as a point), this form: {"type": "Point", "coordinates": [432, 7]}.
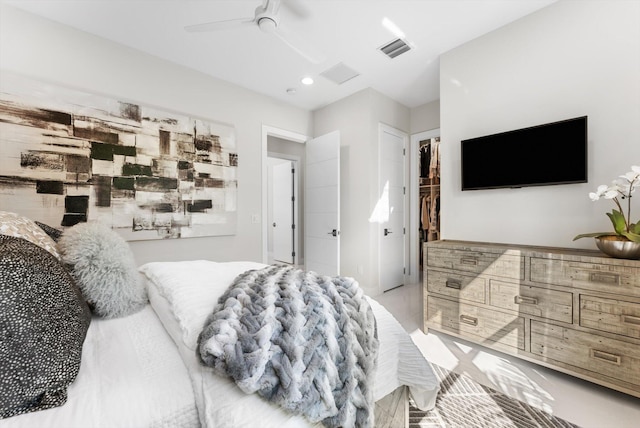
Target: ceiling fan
{"type": "Point", "coordinates": [267, 20]}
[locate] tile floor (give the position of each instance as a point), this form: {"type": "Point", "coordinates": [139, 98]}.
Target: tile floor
{"type": "Point", "coordinates": [575, 400]}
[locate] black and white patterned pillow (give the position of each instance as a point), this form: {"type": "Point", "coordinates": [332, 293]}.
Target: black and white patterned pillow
{"type": "Point", "coordinates": [53, 233]}
{"type": "Point", "coordinates": [13, 224]}
{"type": "Point", "coordinates": [43, 324]}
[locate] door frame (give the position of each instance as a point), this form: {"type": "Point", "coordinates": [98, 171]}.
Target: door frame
{"type": "Point", "coordinates": [414, 195]}
{"type": "Point", "coordinates": [295, 160]}
{"type": "Point", "coordinates": [272, 131]}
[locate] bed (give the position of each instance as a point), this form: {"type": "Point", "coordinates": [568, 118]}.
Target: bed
{"type": "Point", "coordinates": [142, 370]}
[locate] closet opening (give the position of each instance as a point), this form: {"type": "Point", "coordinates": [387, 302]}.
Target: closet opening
{"type": "Point", "coordinates": [429, 194]}
{"type": "Point", "coordinates": [424, 201]}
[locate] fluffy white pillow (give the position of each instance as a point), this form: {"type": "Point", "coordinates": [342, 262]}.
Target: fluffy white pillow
{"type": "Point", "coordinates": [104, 268]}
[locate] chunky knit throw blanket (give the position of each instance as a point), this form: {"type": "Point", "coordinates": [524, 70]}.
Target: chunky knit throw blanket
{"type": "Point", "coordinates": [304, 341]}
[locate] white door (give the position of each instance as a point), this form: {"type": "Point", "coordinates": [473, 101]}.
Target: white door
{"type": "Point", "coordinates": [391, 187]}
{"type": "Point", "coordinates": [322, 204]}
{"type": "Point", "coordinates": [283, 212]}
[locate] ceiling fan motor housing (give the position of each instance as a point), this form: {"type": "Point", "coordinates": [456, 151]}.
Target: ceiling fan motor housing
{"type": "Point", "coordinates": [267, 24]}
{"type": "Point", "coordinates": [266, 16]}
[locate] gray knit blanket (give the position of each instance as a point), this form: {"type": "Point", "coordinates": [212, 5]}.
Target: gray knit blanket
{"type": "Point", "coordinates": [304, 341]}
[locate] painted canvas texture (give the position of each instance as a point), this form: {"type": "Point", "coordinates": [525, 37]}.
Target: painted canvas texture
{"type": "Point", "coordinates": [68, 156]}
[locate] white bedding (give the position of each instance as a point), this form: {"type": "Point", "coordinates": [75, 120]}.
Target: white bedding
{"type": "Point", "coordinates": [184, 293]}
{"type": "Point", "coordinates": [131, 375]}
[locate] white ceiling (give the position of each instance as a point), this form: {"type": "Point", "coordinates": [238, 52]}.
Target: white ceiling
{"type": "Point", "coordinates": [347, 31]}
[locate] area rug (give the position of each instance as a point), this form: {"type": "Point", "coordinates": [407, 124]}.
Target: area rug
{"type": "Point", "coordinates": [464, 403]}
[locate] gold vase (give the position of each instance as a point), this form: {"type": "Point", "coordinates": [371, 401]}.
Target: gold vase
{"type": "Point", "coordinates": [618, 247]}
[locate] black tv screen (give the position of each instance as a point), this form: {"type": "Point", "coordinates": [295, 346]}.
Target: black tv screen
{"type": "Point", "coordinates": [554, 153]}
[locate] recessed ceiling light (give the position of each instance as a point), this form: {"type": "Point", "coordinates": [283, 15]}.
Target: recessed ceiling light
{"type": "Point", "coordinates": [307, 81]}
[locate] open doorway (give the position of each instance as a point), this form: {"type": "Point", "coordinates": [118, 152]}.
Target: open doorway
{"type": "Point", "coordinates": [283, 208]}
{"type": "Point", "coordinates": [318, 199]}
{"type": "Point", "coordinates": [281, 146]}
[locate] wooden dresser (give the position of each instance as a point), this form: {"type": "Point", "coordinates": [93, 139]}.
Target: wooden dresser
{"type": "Point", "coordinates": [572, 310]}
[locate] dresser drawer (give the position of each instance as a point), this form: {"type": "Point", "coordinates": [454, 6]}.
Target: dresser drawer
{"type": "Point", "coordinates": [602, 356]}
{"type": "Point", "coordinates": [614, 316]}
{"type": "Point", "coordinates": [541, 302]}
{"type": "Point", "coordinates": [464, 287]}
{"type": "Point", "coordinates": [474, 322]}
{"type": "Point", "coordinates": [592, 276]}
{"type": "Point", "coordinates": [488, 263]}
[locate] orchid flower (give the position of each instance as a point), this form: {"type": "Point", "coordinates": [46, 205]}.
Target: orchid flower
{"type": "Point", "coordinates": [617, 191]}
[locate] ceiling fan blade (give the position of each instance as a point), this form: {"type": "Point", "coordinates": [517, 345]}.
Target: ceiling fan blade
{"type": "Point", "coordinates": [300, 45]}
{"type": "Point", "coordinates": [218, 25]}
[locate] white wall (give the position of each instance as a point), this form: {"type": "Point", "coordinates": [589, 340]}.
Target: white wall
{"type": "Point", "coordinates": [570, 59]}
{"type": "Point", "coordinates": [425, 117]}
{"type": "Point", "coordinates": [58, 54]}
{"type": "Point", "coordinates": [357, 118]}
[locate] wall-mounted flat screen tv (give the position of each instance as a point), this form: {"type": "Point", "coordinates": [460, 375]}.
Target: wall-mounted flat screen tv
{"type": "Point", "coordinates": [553, 153]}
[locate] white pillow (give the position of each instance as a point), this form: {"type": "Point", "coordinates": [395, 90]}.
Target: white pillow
{"type": "Point", "coordinates": [104, 268]}
{"type": "Point", "coordinates": [193, 288]}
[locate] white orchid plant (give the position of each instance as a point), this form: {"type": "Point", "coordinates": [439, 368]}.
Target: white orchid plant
{"type": "Point", "coordinates": [619, 190]}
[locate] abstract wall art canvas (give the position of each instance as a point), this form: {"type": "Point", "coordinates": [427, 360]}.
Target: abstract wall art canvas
{"type": "Point", "coordinates": [67, 156]}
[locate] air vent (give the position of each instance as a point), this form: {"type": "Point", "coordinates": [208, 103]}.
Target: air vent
{"type": "Point", "coordinates": [395, 48]}
{"type": "Point", "coordinates": [340, 73]}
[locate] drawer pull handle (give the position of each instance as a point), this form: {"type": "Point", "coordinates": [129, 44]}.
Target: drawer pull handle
{"type": "Point", "coordinates": [454, 283]}
{"type": "Point", "coordinates": [630, 319]}
{"type": "Point", "coordinates": [526, 300]}
{"type": "Point", "coordinates": [605, 356]}
{"type": "Point", "coordinates": [607, 278]}
{"type": "Point", "coordinates": [469, 320]}
{"type": "Point", "coordinates": [469, 261]}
